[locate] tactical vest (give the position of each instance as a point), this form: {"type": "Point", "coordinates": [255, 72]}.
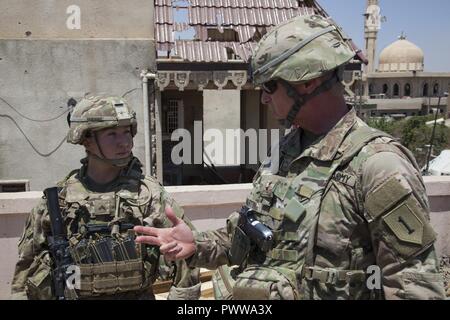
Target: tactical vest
{"type": "Point", "coordinates": [109, 261]}
{"type": "Point", "coordinates": [290, 206]}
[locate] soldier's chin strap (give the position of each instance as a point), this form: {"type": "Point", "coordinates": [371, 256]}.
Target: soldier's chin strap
{"type": "Point", "coordinates": [300, 100]}
{"type": "Point", "coordinates": [120, 163]}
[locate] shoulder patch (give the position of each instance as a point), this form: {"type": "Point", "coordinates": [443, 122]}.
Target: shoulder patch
{"type": "Point", "coordinates": [407, 229]}
{"type": "Point", "coordinates": [387, 195]}
{"type": "Point", "coordinates": [405, 224]}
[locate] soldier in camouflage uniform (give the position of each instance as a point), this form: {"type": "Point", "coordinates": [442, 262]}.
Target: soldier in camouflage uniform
{"type": "Point", "coordinates": [109, 192]}
{"type": "Point", "coordinates": [345, 203]}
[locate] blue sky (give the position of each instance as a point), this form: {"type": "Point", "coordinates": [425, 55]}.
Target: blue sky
{"type": "Point", "coordinates": [425, 23]}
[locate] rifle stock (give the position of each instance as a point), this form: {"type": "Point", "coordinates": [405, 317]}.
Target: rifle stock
{"type": "Point", "coordinates": [58, 243]}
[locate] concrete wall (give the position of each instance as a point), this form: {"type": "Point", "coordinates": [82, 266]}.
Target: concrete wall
{"type": "Point", "coordinates": [438, 191]}
{"type": "Point", "coordinates": [47, 19]}
{"type": "Point", "coordinates": [207, 206]}
{"type": "Point", "coordinates": [252, 114]}
{"type": "Point", "coordinates": [41, 71]}
{"type": "Point", "coordinates": [221, 111]}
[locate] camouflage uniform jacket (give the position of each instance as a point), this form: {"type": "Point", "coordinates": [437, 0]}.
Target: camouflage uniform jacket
{"type": "Point", "coordinates": [80, 206]}
{"type": "Point", "coordinates": [352, 201]}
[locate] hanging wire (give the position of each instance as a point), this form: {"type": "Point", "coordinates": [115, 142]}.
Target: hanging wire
{"type": "Point", "coordinates": [45, 155]}
{"type": "Point", "coordinates": [25, 117]}
{"type": "Point", "coordinates": [129, 91]}
{"type": "Point", "coordinates": [43, 120]}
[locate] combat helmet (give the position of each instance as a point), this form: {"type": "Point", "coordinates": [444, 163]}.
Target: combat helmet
{"type": "Point", "coordinates": [299, 50]}
{"type": "Point", "coordinates": [96, 113]}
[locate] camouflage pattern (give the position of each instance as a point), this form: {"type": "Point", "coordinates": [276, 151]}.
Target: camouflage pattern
{"type": "Point", "coordinates": [133, 198]}
{"type": "Point", "coordinates": [445, 270]}
{"type": "Point", "coordinates": [223, 283]}
{"type": "Point", "coordinates": [317, 57]}
{"type": "Point", "coordinates": [350, 200]}
{"type": "Point", "coordinates": [97, 113]}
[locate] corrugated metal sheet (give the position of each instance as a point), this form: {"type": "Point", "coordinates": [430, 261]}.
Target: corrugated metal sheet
{"type": "Point", "coordinates": [242, 16]}
{"type": "Point", "coordinates": [268, 4]}
{"type": "Point", "coordinates": [200, 51]}
{"type": "Point", "coordinates": [163, 15]}
{"type": "Point", "coordinates": [164, 33]}
{"type": "Point", "coordinates": [235, 3]}
{"type": "Point", "coordinates": [163, 3]}
{"type": "Point", "coordinates": [231, 16]}
{"type": "Point", "coordinates": [211, 51]}
{"type": "Point", "coordinates": [245, 33]}
{"type": "Point", "coordinates": [243, 50]}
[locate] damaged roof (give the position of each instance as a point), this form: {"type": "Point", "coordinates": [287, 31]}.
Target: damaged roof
{"type": "Point", "coordinates": [250, 19]}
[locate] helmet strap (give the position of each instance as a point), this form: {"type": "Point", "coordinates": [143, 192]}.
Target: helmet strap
{"type": "Point", "coordinates": [300, 100]}
{"type": "Point", "coordinates": [120, 163]}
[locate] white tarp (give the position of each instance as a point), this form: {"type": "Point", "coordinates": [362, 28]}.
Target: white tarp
{"type": "Point", "coordinates": [441, 165]}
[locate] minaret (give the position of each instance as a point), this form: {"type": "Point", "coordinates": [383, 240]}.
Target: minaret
{"type": "Point", "coordinates": [371, 27]}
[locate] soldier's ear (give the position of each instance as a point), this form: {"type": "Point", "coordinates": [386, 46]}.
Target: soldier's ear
{"type": "Point", "coordinates": [311, 85]}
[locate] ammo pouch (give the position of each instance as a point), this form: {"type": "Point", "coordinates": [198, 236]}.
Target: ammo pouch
{"type": "Point", "coordinates": [39, 283]}
{"type": "Point", "coordinates": [111, 277]}
{"type": "Point", "coordinates": [109, 267]}
{"type": "Point", "coordinates": [266, 283]}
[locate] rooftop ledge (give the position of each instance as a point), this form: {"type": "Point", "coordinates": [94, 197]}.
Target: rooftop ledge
{"type": "Point", "coordinates": [197, 196]}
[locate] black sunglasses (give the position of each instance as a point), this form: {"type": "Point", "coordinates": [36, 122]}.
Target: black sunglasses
{"type": "Point", "coordinates": [270, 87]}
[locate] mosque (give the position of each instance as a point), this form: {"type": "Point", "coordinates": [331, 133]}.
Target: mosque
{"type": "Point", "coordinates": [398, 86]}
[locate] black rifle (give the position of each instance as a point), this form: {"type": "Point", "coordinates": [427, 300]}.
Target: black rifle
{"type": "Point", "coordinates": [58, 243]}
